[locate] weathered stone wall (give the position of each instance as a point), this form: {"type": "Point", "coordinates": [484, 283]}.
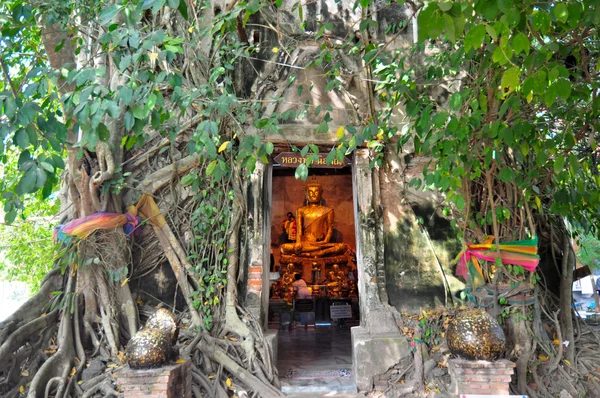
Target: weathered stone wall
{"type": "Point", "coordinates": [419, 244]}
{"type": "Point", "coordinates": [288, 196]}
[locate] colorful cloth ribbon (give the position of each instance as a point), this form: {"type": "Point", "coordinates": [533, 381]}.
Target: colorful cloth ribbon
{"type": "Point", "coordinates": [83, 227]}
{"type": "Point", "coordinates": [521, 252]}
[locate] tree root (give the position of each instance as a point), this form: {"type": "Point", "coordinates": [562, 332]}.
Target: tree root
{"type": "Point", "coordinates": [21, 335]}
{"type": "Point", "coordinates": [58, 379]}
{"type": "Point", "coordinates": [179, 271]}
{"type": "Point", "coordinates": [243, 375]}
{"type": "Point", "coordinates": [60, 363]}
{"type": "Point", "coordinates": [105, 388]}
{"type": "Point", "coordinates": [31, 309]}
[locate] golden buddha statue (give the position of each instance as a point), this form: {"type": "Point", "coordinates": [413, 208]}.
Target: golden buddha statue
{"type": "Point", "coordinates": [314, 228]}
{"type": "Point", "coordinates": [287, 279]}
{"type": "Point", "coordinates": [337, 281]}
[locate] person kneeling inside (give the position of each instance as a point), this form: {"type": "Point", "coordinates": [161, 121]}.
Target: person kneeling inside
{"type": "Point", "coordinates": [301, 288]}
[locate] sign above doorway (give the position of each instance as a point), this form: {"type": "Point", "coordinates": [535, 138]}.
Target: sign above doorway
{"type": "Point", "coordinates": [293, 159]}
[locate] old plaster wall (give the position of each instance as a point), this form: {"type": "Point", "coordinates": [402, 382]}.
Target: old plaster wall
{"type": "Point", "coordinates": [288, 196]}
{"type": "Point", "coordinates": [419, 244]}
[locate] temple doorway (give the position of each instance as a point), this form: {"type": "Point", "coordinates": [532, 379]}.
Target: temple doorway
{"type": "Point", "coordinates": [313, 295]}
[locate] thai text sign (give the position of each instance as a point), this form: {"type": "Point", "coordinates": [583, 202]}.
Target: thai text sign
{"type": "Point", "coordinates": [340, 311]}
{"type": "Point", "coordinates": [293, 159]}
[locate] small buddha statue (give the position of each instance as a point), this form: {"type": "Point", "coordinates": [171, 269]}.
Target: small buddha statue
{"type": "Point", "coordinates": [287, 281]}
{"type": "Point", "coordinates": [314, 228]}
{"type": "Point", "coordinates": [336, 280]}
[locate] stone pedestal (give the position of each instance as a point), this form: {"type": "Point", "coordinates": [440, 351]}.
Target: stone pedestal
{"type": "Point", "coordinates": [374, 354]}
{"type": "Point", "coordinates": [173, 381]}
{"type": "Point", "coordinates": [480, 377]}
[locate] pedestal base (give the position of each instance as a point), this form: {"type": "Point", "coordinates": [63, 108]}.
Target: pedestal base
{"type": "Point", "coordinates": [172, 381]}
{"type": "Point", "coordinates": [480, 377]}
{"type": "Point", "coordinates": [374, 354]}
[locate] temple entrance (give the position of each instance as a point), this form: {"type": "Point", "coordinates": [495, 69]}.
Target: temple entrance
{"type": "Point", "coordinates": [313, 295]}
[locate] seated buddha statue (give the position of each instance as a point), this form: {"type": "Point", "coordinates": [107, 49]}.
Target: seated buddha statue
{"type": "Point", "coordinates": [337, 281]}
{"type": "Point", "coordinates": [314, 228]}
{"type": "Point", "coordinates": [287, 279]}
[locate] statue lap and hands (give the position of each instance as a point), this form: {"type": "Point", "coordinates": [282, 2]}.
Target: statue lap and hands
{"type": "Point", "coordinates": [314, 228]}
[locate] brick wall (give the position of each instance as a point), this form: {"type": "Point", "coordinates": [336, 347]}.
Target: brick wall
{"type": "Point", "coordinates": [255, 278]}
{"type": "Point", "coordinates": [173, 381]}
{"type": "Point", "coordinates": [480, 377]}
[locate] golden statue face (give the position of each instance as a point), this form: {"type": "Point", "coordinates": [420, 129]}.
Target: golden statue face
{"type": "Point", "coordinates": [336, 267]}
{"type": "Point", "coordinates": [314, 194]}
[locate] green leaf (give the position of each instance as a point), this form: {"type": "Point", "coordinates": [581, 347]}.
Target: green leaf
{"type": "Point", "coordinates": [512, 18]}
{"type": "Point", "coordinates": [475, 37]}
{"type": "Point", "coordinates": [491, 31]}
{"type": "Point", "coordinates": [10, 107]}
{"type": "Point", "coordinates": [440, 119]}
{"type": "Point", "coordinates": [489, 9]}
{"type": "Point", "coordinates": [330, 156]}
{"type": "Point", "coordinates": [10, 216]}
{"type": "Point", "coordinates": [510, 79]}
{"type": "Point", "coordinates": [174, 4]}
{"type": "Point", "coordinates": [460, 202]}
{"type": "Point", "coordinates": [445, 6]}
{"type": "Point", "coordinates": [304, 151]}
{"type": "Point", "coordinates": [541, 21]}
{"type": "Point", "coordinates": [450, 28]}
{"type": "Point", "coordinates": [502, 53]}
{"type": "Point", "coordinates": [129, 120]}
{"type": "Point", "coordinates": [21, 138]}
{"type": "Point", "coordinates": [47, 166]}
{"type": "Point", "coordinates": [147, 4]}
{"type": "Point", "coordinates": [40, 178]}
{"type": "Point", "coordinates": [140, 112]}
{"type": "Point", "coordinates": [27, 182]}
{"type": "Point", "coordinates": [370, 55]}
{"type": "Point", "coordinates": [520, 43]}
{"type": "Point", "coordinates": [108, 14]}
{"type": "Point", "coordinates": [183, 10]}
{"type": "Point", "coordinates": [575, 11]}
{"type": "Point", "coordinates": [524, 149]}
{"type": "Point", "coordinates": [301, 172]}
{"type": "Point", "coordinates": [505, 5]}
{"type": "Point", "coordinates": [211, 167]}
{"type": "Point", "coordinates": [269, 148]}
{"type": "Point", "coordinates": [506, 174]}
{"type": "Point", "coordinates": [560, 11]}
{"type": "Point", "coordinates": [563, 88]}
{"type": "Point", "coordinates": [251, 163]}
{"type": "Point", "coordinates": [456, 101]}
{"type": "Point", "coordinates": [424, 20]}
{"type": "Point", "coordinates": [550, 95]}
{"type": "Point", "coordinates": [559, 164]}
{"type": "Point", "coordinates": [126, 94]}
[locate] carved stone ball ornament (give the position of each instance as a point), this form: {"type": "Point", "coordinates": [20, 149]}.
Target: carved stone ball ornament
{"type": "Point", "coordinates": [474, 334]}
{"type": "Point", "coordinates": [165, 321]}
{"type": "Point", "coordinates": [149, 348]}
{"type": "Point", "coordinates": [153, 346]}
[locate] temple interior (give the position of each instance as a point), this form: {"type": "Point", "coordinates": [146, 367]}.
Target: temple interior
{"type": "Point", "coordinates": [313, 280]}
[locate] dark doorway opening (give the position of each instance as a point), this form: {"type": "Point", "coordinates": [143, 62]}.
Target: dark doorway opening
{"type": "Point", "coordinates": [312, 292]}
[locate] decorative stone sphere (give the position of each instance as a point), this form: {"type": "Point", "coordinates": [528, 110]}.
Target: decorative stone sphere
{"type": "Point", "coordinates": [149, 348]}
{"type": "Point", "coordinates": [164, 320]}
{"type": "Point", "coordinates": [475, 334]}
